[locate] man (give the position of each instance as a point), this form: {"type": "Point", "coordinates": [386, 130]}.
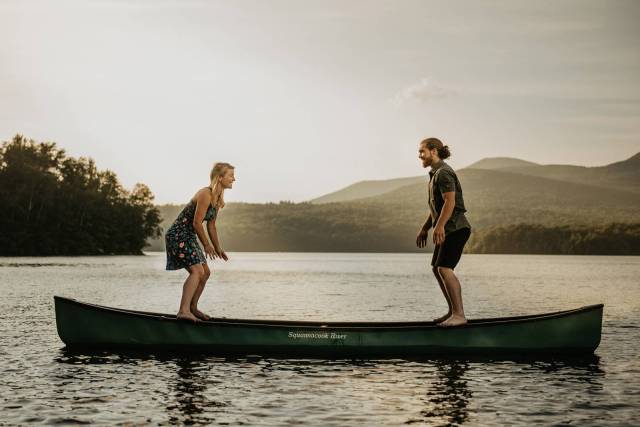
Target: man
{"type": "Point", "coordinates": [451, 229]}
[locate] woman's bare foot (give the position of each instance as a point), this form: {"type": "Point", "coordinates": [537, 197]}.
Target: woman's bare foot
{"type": "Point", "coordinates": [199, 314]}
{"type": "Point", "coordinates": [442, 318]}
{"type": "Point", "coordinates": [187, 316]}
{"type": "Point", "coordinates": [454, 320]}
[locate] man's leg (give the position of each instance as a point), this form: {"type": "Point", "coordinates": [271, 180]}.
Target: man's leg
{"type": "Point", "coordinates": [452, 286]}
{"type": "Point", "coordinates": [445, 293]}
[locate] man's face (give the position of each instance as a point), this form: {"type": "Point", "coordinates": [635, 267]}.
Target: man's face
{"type": "Point", "coordinates": [425, 155]}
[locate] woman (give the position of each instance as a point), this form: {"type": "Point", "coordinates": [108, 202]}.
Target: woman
{"type": "Point", "coordinates": [181, 240]}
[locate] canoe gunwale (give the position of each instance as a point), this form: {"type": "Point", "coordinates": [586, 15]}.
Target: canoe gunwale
{"type": "Point", "coordinates": [430, 353]}
{"type": "Point", "coordinates": [362, 326]}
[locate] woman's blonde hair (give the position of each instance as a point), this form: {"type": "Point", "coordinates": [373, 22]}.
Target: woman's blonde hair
{"type": "Point", "coordinates": [218, 171]}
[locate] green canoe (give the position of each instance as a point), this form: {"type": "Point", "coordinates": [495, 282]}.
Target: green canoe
{"type": "Point", "coordinates": [561, 333]}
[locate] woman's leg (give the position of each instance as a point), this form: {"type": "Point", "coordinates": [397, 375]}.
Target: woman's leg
{"type": "Point", "coordinates": [196, 295]}
{"type": "Point", "coordinates": [196, 272]}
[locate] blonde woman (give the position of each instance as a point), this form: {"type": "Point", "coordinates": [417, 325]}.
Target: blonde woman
{"type": "Point", "coordinates": [181, 239]}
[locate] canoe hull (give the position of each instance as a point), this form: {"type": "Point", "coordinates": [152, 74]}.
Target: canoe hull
{"type": "Point", "coordinates": [86, 325]}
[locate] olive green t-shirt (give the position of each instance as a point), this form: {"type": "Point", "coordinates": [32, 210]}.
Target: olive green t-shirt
{"type": "Point", "coordinates": [442, 179]}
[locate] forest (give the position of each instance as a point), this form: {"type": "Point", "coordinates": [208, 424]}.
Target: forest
{"type": "Point", "coordinates": [607, 239]}
{"type": "Point", "coordinates": [54, 204]}
{"type": "Point", "coordinates": [378, 227]}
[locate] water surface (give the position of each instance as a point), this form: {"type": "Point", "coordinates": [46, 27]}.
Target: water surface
{"type": "Point", "coordinates": [44, 383]}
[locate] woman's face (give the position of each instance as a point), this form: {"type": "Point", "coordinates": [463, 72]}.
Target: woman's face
{"type": "Point", "coordinates": [228, 178]}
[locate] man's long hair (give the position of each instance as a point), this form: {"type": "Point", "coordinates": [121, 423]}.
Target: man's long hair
{"type": "Point", "coordinates": [435, 143]}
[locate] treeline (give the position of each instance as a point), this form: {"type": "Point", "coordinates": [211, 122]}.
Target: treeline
{"type": "Point", "coordinates": [305, 227]}
{"type": "Point", "coordinates": [369, 227]}
{"type": "Point", "coordinates": [53, 204]}
{"type": "Point", "coordinates": [609, 239]}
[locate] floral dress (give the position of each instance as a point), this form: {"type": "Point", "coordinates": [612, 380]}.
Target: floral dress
{"type": "Point", "coordinates": [181, 240]}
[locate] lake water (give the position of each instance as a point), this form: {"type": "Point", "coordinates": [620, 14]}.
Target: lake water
{"type": "Point", "coordinates": [44, 383]}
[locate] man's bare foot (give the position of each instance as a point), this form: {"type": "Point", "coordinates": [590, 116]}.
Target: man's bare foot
{"type": "Point", "coordinates": [187, 316]}
{"type": "Point", "coordinates": [442, 318]}
{"type": "Point", "coordinates": [199, 314]}
{"type": "Point", "coordinates": [454, 320]}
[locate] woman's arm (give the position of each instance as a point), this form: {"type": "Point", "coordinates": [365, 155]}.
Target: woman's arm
{"type": "Point", "coordinates": [203, 200]}
{"type": "Point", "coordinates": [213, 235]}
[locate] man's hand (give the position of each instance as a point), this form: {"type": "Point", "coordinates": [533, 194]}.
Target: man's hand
{"type": "Point", "coordinates": [421, 240]}
{"type": "Point", "coordinates": [438, 235]}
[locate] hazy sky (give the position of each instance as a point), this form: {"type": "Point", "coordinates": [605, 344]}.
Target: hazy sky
{"type": "Point", "coordinates": [305, 97]}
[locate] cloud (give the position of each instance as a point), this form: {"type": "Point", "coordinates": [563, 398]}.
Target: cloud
{"type": "Point", "coordinates": [423, 91]}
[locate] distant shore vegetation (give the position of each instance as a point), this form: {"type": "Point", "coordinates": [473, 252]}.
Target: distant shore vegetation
{"type": "Point", "coordinates": [53, 204]}
{"type": "Point", "coordinates": [366, 227]}
{"type": "Point", "coordinates": [609, 239]}
{"type": "Point", "coordinates": [515, 207]}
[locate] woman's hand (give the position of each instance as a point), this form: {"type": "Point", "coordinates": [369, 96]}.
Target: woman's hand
{"type": "Point", "coordinates": [438, 234]}
{"type": "Point", "coordinates": [222, 254]}
{"type": "Point", "coordinates": [210, 251]}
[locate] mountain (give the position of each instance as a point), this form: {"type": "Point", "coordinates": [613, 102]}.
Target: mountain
{"type": "Point", "coordinates": [631, 165]}
{"type": "Point", "coordinates": [364, 189]}
{"type": "Point", "coordinates": [388, 222]}
{"type": "Point", "coordinates": [553, 214]}
{"type": "Point", "coordinates": [624, 175]}
{"type": "Point", "coordinates": [500, 163]}
{"type": "Point", "coordinates": [496, 197]}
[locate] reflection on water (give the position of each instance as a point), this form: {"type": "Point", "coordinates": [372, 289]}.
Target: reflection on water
{"type": "Point", "coordinates": [192, 387]}
{"type": "Point", "coordinates": [589, 364]}
{"type": "Point", "coordinates": [187, 405]}
{"type": "Point", "coordinates": [48, 264]}
{"type": "Point", "coordinates": [449, 395]}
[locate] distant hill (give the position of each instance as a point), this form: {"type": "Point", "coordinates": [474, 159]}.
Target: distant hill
{"type": "Point", "coordinates": [629, 166]}
{"type": "Point", "coordinates": [364, 189]}
{"type": "Point", "coordinates": [624, 175]}
{"type": "Point", "coordinates": [388, 222]}
{"type": "Point", "coordinates": [495, 197]}
{"type": "Point", "coordinates": [501, 202]}
{"type": "Point", "coordinates": [500, 163]}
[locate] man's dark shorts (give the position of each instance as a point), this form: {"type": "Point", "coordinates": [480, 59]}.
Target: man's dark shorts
{"type": "Point", "coordinates": [448, 253]}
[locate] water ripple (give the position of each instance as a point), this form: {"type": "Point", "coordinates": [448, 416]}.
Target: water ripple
{"type": "Point", "coordinates": [44, 383]}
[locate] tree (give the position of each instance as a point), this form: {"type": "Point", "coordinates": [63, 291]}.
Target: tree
{"type": "Point", "coordinates": [58, 205]}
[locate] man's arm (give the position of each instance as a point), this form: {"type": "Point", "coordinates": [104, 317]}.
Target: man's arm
{"type": "Point", "coordinates": [447, 210]}
{"type": "Point", "coordinates": [421, 240]}
{"type": "Point", "coordinates": [428, 223]}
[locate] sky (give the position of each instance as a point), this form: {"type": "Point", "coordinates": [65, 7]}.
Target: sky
{"type": "Point", "coordinates": [307, 97]}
